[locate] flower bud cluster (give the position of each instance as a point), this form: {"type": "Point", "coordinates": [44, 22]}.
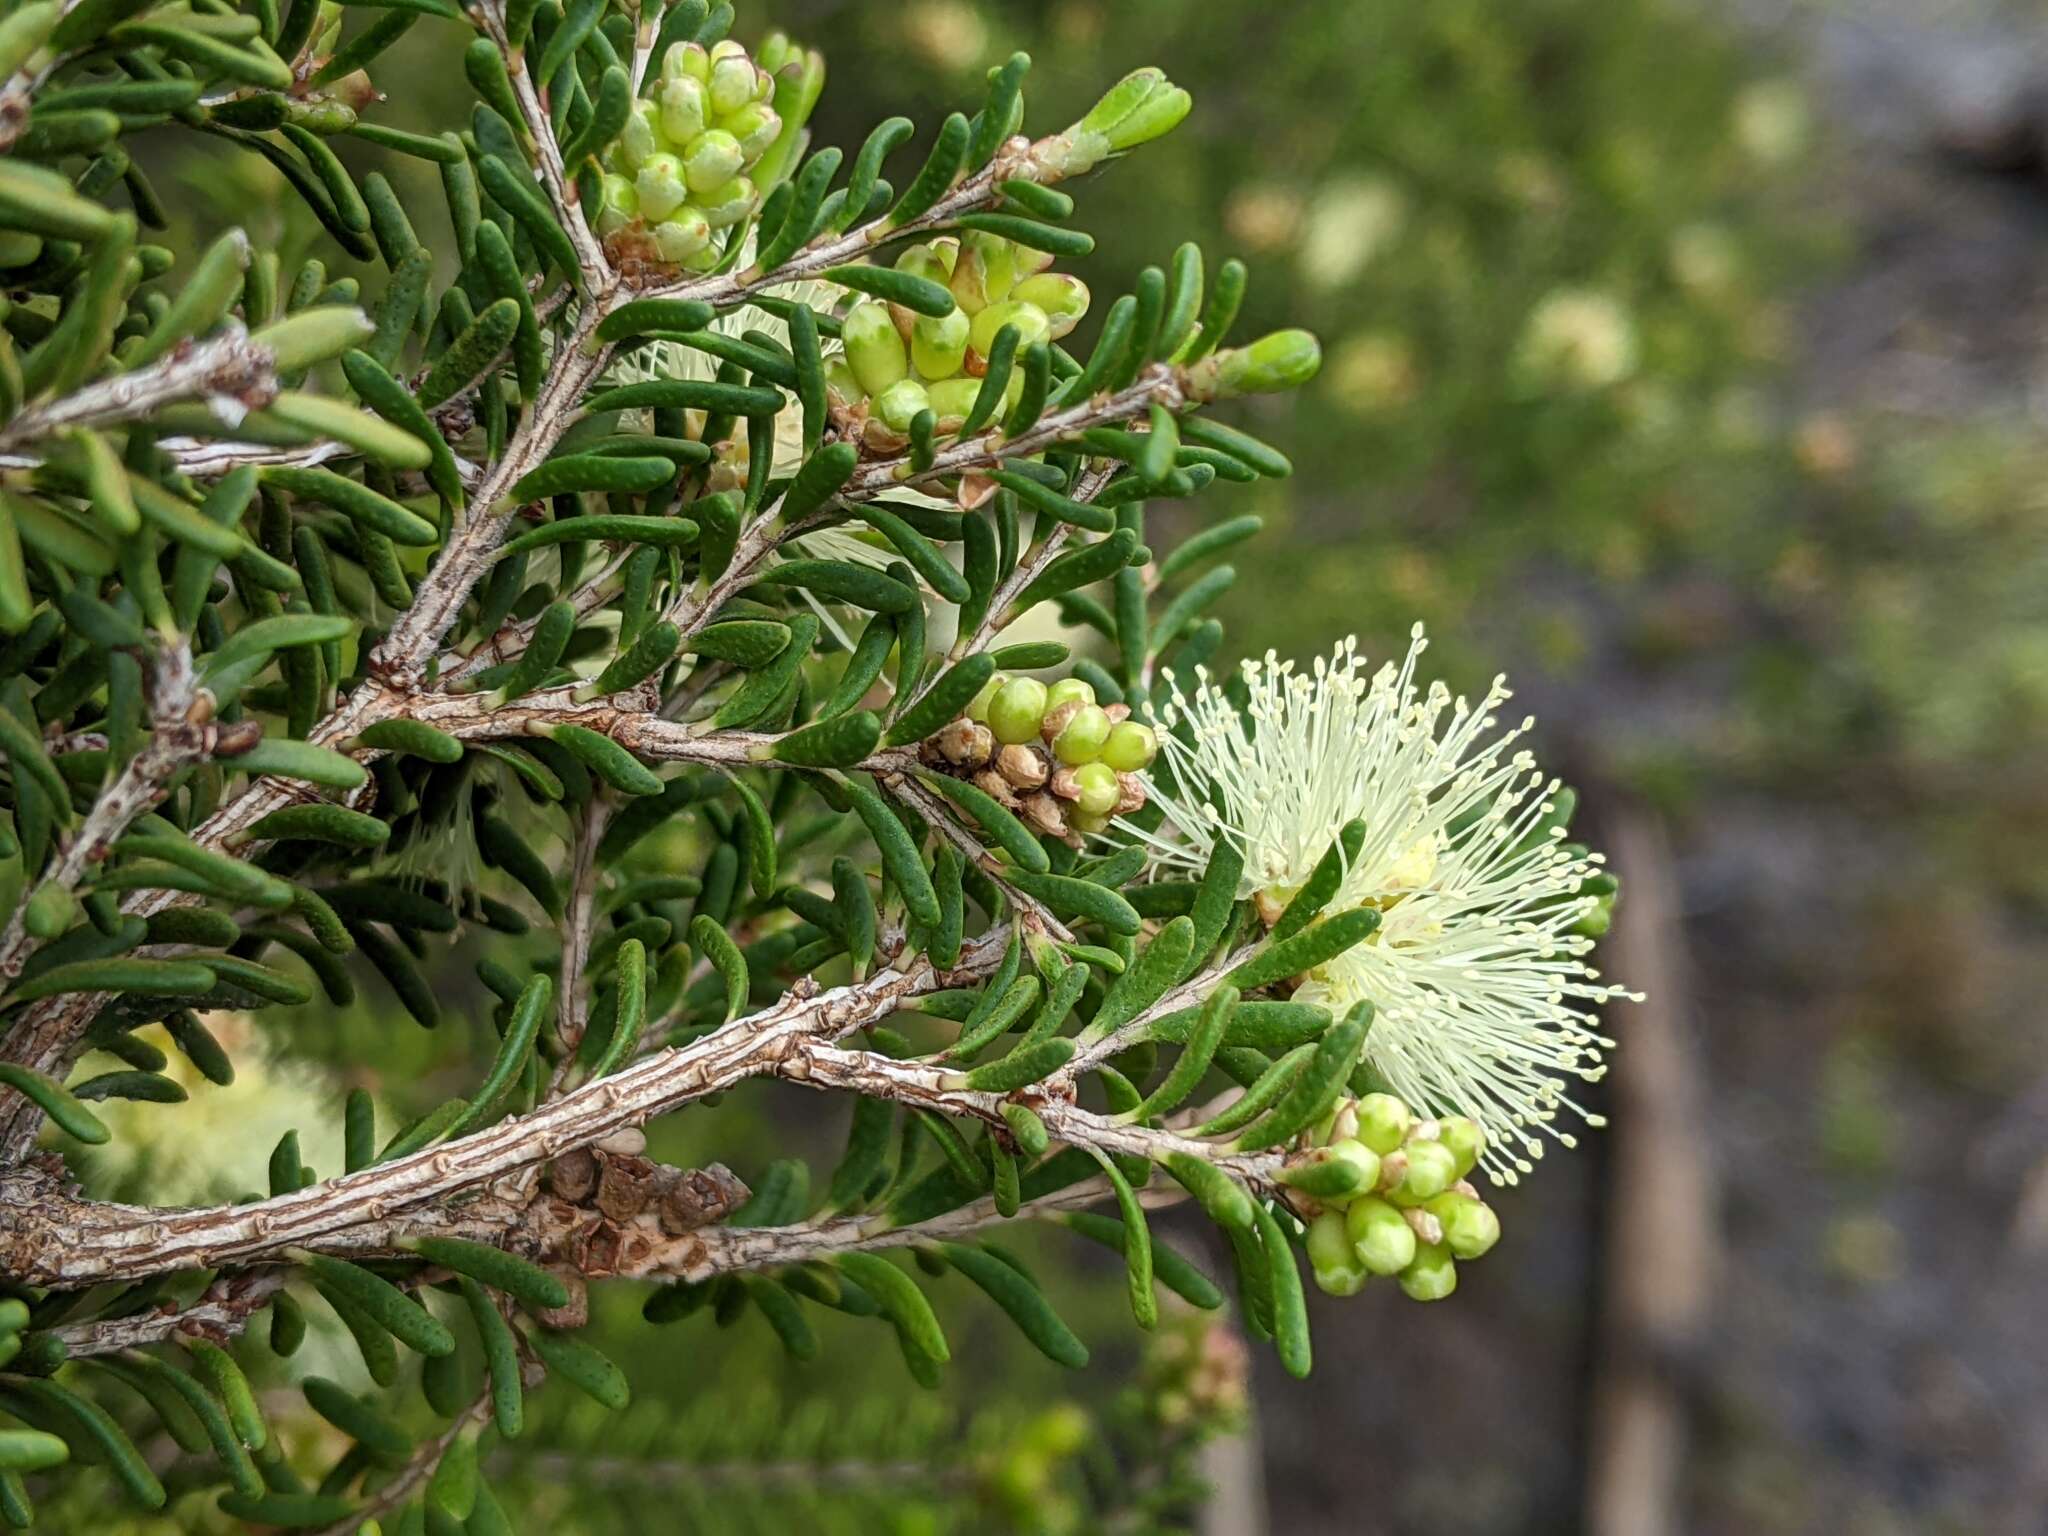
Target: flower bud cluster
{"type": "Point", "coordinates": [1049, 752]}
{"type": "Point", "coordinates": [1411, 1213]}
{"type": "Point", "coordinates": [897, 363]}
{"type": "Point", "coordinates": [694, 159]}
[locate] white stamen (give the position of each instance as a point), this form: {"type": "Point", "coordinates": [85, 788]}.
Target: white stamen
{"type": "Point", "coordinates": [1484, 1003]}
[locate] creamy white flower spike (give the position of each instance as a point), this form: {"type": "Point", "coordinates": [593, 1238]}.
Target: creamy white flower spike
{"type": "Point", "coordinates": [1484, 1003]}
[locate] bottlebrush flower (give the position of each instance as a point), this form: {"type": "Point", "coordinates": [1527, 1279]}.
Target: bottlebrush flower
{"type": "Point", "coordinates": [1484, 1002]}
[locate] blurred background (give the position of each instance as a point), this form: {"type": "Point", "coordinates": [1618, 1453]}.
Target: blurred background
{"type": "Point", "coordinates": [1685, 362]}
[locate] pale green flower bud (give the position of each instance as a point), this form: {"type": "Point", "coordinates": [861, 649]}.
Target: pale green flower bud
{"type": "Point", "coordinates": [660, 185]}
{"type": "Point", "coordinates": [641, 136]}
{"type": "Point", "coordinates": [732, 83]}
{"type": "Point", "coordinates": [1062, 296]}
{"type": "Point", "coordinates": [984, 272]}
{"type": "Point", "coordinates": [1082, 735]}
{"type": "Point", "coordinates": [726, 205]}
{"type": "Point", "coordinates": [1029, 320]}
{"type": "Point", "coordinates": [1080, 821]}
{"type": "Point", "coordinates": [1383, 1122]}
{"type": "Point", "coordinates": [681, 235]}
{"type": "Point", "coordinates": [690, 59]}
{"type": "Point", "coordinates": [1331, 1259]}
{"type": "Point", "coordinates": [683, 111]}
{"type": "Point", "coordinates": [1382, 1240]}
{"type": "Point", "coordinates": [899, 404]}
{"type": "Point", "coordinates": [840, 384]}
{"type": "Point", "coordinates": [1131, 747]}
{"type": "Point", "coordinates": [1016, 710]}
{"type": "Point", "coordinates": [1431, 1169]}
{"type": "Point", "coordinates": [938, 343]}
{"type": "Point", "coordinates": [621, 203]}
{"type": "Point", "coordinates": [1432, 1276]}
{"type": "Point", "coordinates": [952, 399]}
{"type": "Point", "coordinates": [712, 159]}
{"type": "Point", "coordinates": [1069, 690]}
{"type": "Point", "coordinates": [1281, 360]}
{"type": "Point", "coordinates": [932, 262]}
{"type": "Point", "coordinates": [1471, 1227]}
{"type": "Point", "coordinates": [874, 347]}
{"type": "Point", "coordinates": [1466, 1141]}
{"type": "Point", "coordinates": [756, 127]}
{"type": "Point", "coordinates": [977, 707]}
{"type": "Point", "coordinates": [1362, 1159]}
{"type": "Point", "coordinates": [1137, 109]}
{"type": "Point", "coordinates": [1099, 789]}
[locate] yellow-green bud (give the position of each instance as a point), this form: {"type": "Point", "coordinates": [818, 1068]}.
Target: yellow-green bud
{"type": "Point", "coordinates": [1029, 320]}
{"type": "Point", "coordinates": [621, 203]}
{"type": "Point", "coordinates": [1062, 296]}
{"type": "Point", "coordinates": [1081, 821]}
{"type": "Point", "coordinates": [1130, 747]}
{"type": "Point", "coordinates": [1383, 1122]}
{"type": "Point", "coordinates": [725, 205]}
{"type": "Point", "coordinates": [938, 343]}
{"type": "Point", "coordinates": [977, 707]}
{"type": "Point", "coordinates": [840, 384]}
{"type": "Point", "coordinates": [983, 272]}
{"type": "Point", "coordinates": [1466, 1141]}
{"type": "Point", "coordinates": [952, 399]}
{"type": "Point", "coordinates": [1279, 360]}
{"type": "Point", "coordinates": [690, 59]}
{"type": "Point", "coordinates": [660, 185]}
{"type": "Point", "coordinates": [1081, 738]}
{"type": "Point", "coordinates": [1361, 1157]}
{"type": "Point", "coordinates": [1331, 1259]}
{"type": "Point", "coordinates": [641, 136]}
{"type": "Point", "coordinates": [1138, 108]}
{"type": "Point", "coordinates": [899, 404]}
{"type": "Point", "coordinates": [926, 262]}
{"type": "Point", "coordinates": [755, 126]}
{"type": "Point", "coordinates": [1432, 1168]}
{"type": "Point", "coordinates": [1471, 1227]}
{"type": "Point", "coordinates": [1016, 710]}
{"type": "Point", "coordinates": [874, 347]}
{"type": "Point", "coordinates": [683, 113]}
{"type": "Point", "coordinates": [1381, 1238]}
{"type": "Point", "coordinates": [732, 83]}
{"type": "Point", "coordinates": [1432, 1276]}
{"type": "Point", "coordinates": [712, 159]}
{"type": "Point", "coordinates": [1069, 690]}
{"type": "Point", "coordinates": [1099, 789]}
{"type": "Point", "coordinates": [681, 235]}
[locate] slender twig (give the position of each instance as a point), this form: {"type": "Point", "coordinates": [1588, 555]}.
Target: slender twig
{"type": "Point", "coordinates": [176, 738]}
{"type": "Point", "coordinates": [424, 1462]}
{"type": "Point", "coordinates": [227, 367]}
{"type": "Point", "coordinates": [74, 1243]}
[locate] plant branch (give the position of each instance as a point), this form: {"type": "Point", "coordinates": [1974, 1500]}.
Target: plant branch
{"type": "Point", "coordinates": [48, 1238]}
{"type": "Point", "coordinates": [227, 368]}
{"type": "Point", "coordinates": [595, 272]}
{"type": "Point", "coordinates": [177, 738]}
